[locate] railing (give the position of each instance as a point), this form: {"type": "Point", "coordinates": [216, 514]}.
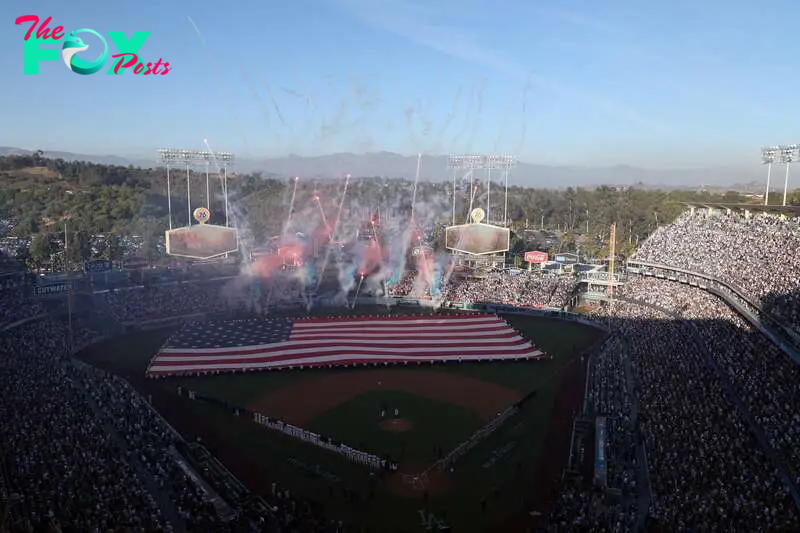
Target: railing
{"type": "Point", "coordinates": [705, 282]}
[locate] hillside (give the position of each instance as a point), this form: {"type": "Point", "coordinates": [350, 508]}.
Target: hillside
{"type": "Point", "coordinates": [39, 195]}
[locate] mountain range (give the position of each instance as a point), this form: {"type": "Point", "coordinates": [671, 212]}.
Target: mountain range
{"type": "Point", "coordinates": [434, 168]}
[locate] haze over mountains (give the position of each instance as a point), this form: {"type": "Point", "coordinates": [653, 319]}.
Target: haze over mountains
{"type": "Point", "coordinates": [434, 168]}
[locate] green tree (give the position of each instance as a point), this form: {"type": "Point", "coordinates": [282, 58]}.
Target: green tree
{"type": "Point", "coordinates": [78, 249]}
{"type": "Point", "coordinates": [42, 249]}
{"type": "Point", "coordinates": [113, 249]}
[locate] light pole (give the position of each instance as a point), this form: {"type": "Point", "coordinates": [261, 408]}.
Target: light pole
{"type": "Point", "coordinates": [172, 157]}
{"type": "Point", "coordinates": [787, 156]}
{"type": "Point", "coordinates": [473, 164]}
{"type": "Point", "coordinates": [768, 158]}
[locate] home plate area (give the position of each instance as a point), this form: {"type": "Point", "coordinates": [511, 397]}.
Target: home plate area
{"type": "Point", "coordinates": [391, 421]}
{"type": "Point", "coordinates": [419, 421]}
{"type": "Point", "coordinates": [396, 425]}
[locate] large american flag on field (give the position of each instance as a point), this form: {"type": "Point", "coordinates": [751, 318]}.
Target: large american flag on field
{"type": "Point", "coordinates": [272, 343]}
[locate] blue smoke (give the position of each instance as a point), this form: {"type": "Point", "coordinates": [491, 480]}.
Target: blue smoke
{"type": "Point", "coordinates": [396, 273]}
{"type": "Point", "coordinates": [437, 279]}
{"type": "Point", "coordinates": [258, 286]}
{"type": "Point", "coordinates": [257, 282]}
{"type": "Point", "coordinates": [310, 273]}
{"type": "Point", "coordinates": [348, 274]}
{"type": "Point", "coordinates": [351, 271]}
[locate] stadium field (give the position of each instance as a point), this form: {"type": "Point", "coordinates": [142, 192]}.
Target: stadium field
{"type": "Point", "coordinates": [496, 479]}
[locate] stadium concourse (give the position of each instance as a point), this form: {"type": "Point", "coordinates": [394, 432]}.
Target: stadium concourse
{"type": "Point", "coordinates": [702, 409]}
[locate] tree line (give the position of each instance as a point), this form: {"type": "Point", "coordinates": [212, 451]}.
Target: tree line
{"type": "Point", "coordinates": [38, 196]}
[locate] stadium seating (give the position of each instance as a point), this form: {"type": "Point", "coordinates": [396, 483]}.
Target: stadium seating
{"type": "Point", "coordinates": [702, 410]}
{"type": "Point", "coordinates": [758, 254]}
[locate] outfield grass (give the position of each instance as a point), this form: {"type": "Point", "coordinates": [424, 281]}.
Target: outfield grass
{"type": "Point", "coordinates": [500, 470]}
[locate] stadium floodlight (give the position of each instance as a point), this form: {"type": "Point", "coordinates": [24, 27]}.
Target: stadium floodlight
{"type": "Point", "coordinates": [787, 156]}
{"type": "Point", "coordinates": [171, 157]}
{"type": "Point", "coordinates": [768, 158]}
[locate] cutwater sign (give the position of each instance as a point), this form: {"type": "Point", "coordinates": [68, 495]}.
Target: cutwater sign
{"type": "Point", "coordinates": [55, 288]}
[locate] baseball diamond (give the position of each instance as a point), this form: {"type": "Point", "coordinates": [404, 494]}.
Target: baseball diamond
{"type": "Point", "coordinates": [416, 415]}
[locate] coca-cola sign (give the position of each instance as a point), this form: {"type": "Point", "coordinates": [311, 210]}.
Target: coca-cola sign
{"type": "Point", "coordinates": [536, 257]}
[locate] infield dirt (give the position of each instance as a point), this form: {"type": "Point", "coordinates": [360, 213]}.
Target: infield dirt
{"type": "Point", "coordinates": [396, 425]}
{"type": "Point", "coordinates": [301, 403]}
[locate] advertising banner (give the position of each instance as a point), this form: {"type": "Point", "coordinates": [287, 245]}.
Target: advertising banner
{"type": "Point", "coordinates": [536, 257]}
{"type": "Point", "coordinates": [55, 288]}
{"type": "Point", "coordinates": [600, 472]}
{"type": "Point", "coordinates": [97, 266]}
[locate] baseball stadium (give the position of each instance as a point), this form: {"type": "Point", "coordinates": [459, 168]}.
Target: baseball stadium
{"type": "Point", "coordinates": [389, 369]}
{"type": "Point", "coordinates": [393, 409]}
{"type": "Point", "coordinates": [381, 442]}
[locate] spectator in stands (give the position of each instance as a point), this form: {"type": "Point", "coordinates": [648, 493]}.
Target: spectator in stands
{"type": "Point", "coordinates": [664, 376]}
{"type": "Point", "coordinates": [759, 254]}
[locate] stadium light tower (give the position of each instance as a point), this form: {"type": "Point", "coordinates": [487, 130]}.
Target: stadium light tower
{"type": "Point", "coordinates": [170, 157]}
{"type": "Point", "coordinates": [787, 156]}
{"type": "Point", "coordinates": [486, 164]}
{"type": "Point", "coordinates": [768, 158]}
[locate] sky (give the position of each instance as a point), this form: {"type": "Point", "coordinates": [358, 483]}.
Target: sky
{"type": "Point", "coordinates": [679, 84]}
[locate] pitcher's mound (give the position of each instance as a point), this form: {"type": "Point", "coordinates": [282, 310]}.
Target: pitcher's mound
{"type": "Point", "coordinates": [396, 425]}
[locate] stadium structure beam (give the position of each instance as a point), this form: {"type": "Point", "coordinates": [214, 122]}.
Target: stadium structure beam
{"type": "Point", "coordinates": [171, 157]}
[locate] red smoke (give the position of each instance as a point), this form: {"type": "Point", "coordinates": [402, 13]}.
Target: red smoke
{"type": "Point", "coordinates": [371, 257]}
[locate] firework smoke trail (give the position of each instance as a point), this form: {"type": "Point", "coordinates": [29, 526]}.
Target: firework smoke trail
{"type": "Point", "coordinates": [347, 277]}
{"type": "Point", "coordinates": [341, 206]}
{"type": "Point", "coordinates": [358, 290]}
{"type": "Point", "coordinates": [335, 228]}
{"type": "Point", "coordinates": [306, 279]}
{"type": "Point", "coordinates": [398, 250]}
{"type": "Point", "coordinates": [436, 279]}
{"type": "Point", "coordinates": [524, 116]}
{"type": "Point", "coordinates": [321, 211]}
{"type": "Point", "coordinates": [257, 294]}
{"type": "Point", "coordinates": [416, 181]}
{"type": "Point", "coordinates": [221, 179]}
{"type": "Point", "coordinates": [406, 237]}
{"type": "Point", "coordinates": [471, 203]}
{"type": "Point", "coordinates": [215, 72]}
{"type": "Point", "coordinates": [291, 207]}
{"type": "Point", "coordinates": [310, 273]}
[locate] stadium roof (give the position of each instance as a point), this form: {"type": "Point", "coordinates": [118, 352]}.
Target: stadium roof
{"type": "Point", "coordinates": [789, 210]}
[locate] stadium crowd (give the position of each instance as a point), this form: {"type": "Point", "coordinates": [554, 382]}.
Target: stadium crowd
{"type": "Point", "coordinates": [157, 301]}
{"type": "Point", "coordinates": [759, 254]}
{"type": "Point", "coordinates": [81, 451]}
{"type": "Point", "coordinates": [524, 289]}
{"type": "Point", "coordinates": [59, 467]}
{"type": "Point", "coordinates": [669, 380]}
{"type": "Point", "coordinates": [690, 358]}
{"type": "Point", "coordinates": [764, 377]}
{"type": "Point", "coordinates": [527, 289]}
{"type": "Point", "coordinates": [17, 305]}
{"type": "Point", "coordinates": [138, 304]}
